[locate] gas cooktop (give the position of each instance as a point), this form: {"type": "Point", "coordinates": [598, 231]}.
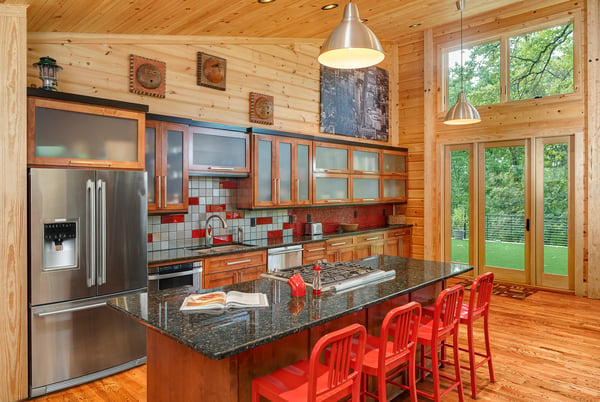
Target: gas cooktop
{"type": "Point", "coordinates": [335, 275]}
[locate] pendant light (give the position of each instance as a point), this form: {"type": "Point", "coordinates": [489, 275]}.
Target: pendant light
{"type": "Point", "coordinates": [462, 112]}
{"type": "Point", "coordinates": [351, 44]}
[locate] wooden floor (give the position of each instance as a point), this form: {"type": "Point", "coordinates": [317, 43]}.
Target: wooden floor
{"type": "Point", "coordinates": [545, 348]}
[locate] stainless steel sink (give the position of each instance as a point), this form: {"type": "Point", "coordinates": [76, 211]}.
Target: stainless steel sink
{"type": "Point", "coordinates": [222, 249]}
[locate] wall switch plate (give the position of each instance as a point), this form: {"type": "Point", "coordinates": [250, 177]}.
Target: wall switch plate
{"type": "Point", "coordinates": [252, 222]}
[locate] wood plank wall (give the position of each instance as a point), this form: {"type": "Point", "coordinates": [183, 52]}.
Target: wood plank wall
{"type": "Point", "coordinates": [98, 65]}
{"type": "Point", "coordinates": [13, 208]}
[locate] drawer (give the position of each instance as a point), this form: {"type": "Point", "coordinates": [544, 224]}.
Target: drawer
{"type": "Point", "coordinates": [340, 242]}
{"type": "Point", "coordinates": [390, 234]}
{"type": "Point", "coordinates": [314, 248]}
{"type": "Point", "coordinates": [370, 237]}
{"type": "Point", "coordinates": [234, 262]}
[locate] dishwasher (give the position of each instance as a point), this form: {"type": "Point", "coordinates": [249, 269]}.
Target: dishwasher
{"type": "Point", "coordinates": [284, 257]}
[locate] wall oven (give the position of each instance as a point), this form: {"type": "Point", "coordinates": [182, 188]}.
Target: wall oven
{"type": "Point", "coordinates": [172, 276]}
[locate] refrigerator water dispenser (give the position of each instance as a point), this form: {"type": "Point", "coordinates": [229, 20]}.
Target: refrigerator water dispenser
{"type": "Point", "coordinates": [60, 245]}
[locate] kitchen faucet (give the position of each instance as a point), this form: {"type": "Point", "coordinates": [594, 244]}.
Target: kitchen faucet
{"type": "Point", "coordinates": [208, 237]}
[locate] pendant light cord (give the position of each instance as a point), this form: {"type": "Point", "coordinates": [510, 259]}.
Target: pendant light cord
{"type": "Point", "coordinates": [462, 84]}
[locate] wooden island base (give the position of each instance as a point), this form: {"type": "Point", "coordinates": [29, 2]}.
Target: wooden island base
{"type": "Point", "coordinates": [177, 373]}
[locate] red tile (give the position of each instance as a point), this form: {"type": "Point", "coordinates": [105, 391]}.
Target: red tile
{"type": "Point", "coordinates": [149, 237]}
{"type": "Point", "coordinates": [235, 215]}
{"type": "Point", "coordinates": [264, 221]}
{"type": "Point", "coordinates": [198, 233]}
{"type": "Point", "coordinates": [172, 219]}
{"type": "Point", "coordinates": [288, 225]}
{"type": "Point", "coordinates": [222, 239]}
{"type": "Point", "coordinates": [193, 201]}
{"type": "Point", "coordinates": [215, 208]}
{"type": "Point", "coordinates": [228, 184]}
{"type": "Point", "coordinates": [274, 233]}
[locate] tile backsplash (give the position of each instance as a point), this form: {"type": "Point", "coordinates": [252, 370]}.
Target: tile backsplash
{"type": "Point", "coordinates": [217, 196]}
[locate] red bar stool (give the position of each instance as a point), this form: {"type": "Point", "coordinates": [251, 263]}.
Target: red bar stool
{"type": "Point", "coordinates": [434, 332]}
{"type": "Point", "coordinates": [398, 341]}
{"type": "Point", "coordinates": [309, 380]}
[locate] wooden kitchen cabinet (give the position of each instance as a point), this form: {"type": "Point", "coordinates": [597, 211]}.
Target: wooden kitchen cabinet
{"type": "Point", "coordinates": [370, 244]}
{"type": "Point", "coordinates": [366, 189]}
{"type": "Point", "coordinates": [331, 188]}
{"type": "Point", "coordinates": [331, 158]}
{"type": "Point", "coordinates": [75, 134]}
{"type": "Point", "coordinates": [366, 161]}
{"type": "Point", "coordinates": [394, 176]}
{"type": "Point", "coordinates": [218, 152]}
{"type": "Point", "coordinates": [398, 242]}
{"type": "Point", "coordinates": [233, 268]}
{"type": "Point", "coordinates": [282, 174]}
{"type": "Point", "coordinates": [340, 249]}
{"type": "Point", "coordinates": [167, 166]}
{"type": "Point", "coordinates": [313, 252]}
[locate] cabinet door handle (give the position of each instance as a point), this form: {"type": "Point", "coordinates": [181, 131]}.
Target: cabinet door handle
{"type": "Point", "coordinates": [278, 181]}
{"type": "Point", "coordinates": [237, 262]}
{"type": "Point", "coordinates": [92, 163]}
{"type": "Point", "coordinates": [333, 170]}
{"type": "Point", "coordinates": [159, 179]}
{"type": "Point", "coordinates": [241, 276]}
{"type": "Point", "coordinates": [220, 168]}
{"type": "Point", "coordinates": [368, 199]}
{"type": "Point", "coordinates": [166, 191]}
{"type": "Point", "coordinates": [334, 200]}
{"type": "Point", "coordinates": [338, 244]}
{"type": "Point", "coordinates": [372, 238]}
{"type": "Point", "coordinates": [311, 250]}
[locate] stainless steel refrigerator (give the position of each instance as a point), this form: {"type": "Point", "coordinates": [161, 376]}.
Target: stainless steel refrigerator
{"type": "Point", "coordinates": [87, 244]}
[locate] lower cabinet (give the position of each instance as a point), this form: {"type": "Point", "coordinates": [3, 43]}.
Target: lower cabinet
{"type": "Point", "coordinates": [313, 252]}
{"type": "Point", "coordinates": [233, 268]}
{"type": "Point", "coordinates": [369, 244]}
{"type": "Point", "coordinates": [340, 249]}
{"type": "Point", "coordinates": [397, 242]}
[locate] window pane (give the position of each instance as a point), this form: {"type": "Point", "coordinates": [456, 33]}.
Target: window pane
{"type": "Point", "coordinates": [541, 63]}
{"type": "Point", "coordinates": [481, 74]}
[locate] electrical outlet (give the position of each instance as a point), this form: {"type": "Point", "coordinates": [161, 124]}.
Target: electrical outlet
{"type": "Point", "coordinates": [252, 222]}
{"type": "Point", "coordinates": [307, 217]}
{"type": "Point", "coordinates": [383, 211]}
{"type": "Point", "coordinates": [356, 214]}
{"type": "Point", "coordinates": [291, 219]}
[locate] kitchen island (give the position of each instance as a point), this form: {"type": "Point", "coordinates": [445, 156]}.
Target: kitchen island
{"type": "Point", "coordinates": [213, 357]}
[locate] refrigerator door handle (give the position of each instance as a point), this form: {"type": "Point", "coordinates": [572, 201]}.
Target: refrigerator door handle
{"type": "Point", "coordinates": [90, 244]}
{"type": "Point", "coordinates": [69, 310]}
{"type": "Point", "coordinates": [101, 186]}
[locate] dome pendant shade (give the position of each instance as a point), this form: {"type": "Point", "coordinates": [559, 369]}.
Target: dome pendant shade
{"type": "Point", "coordinates": [351, 44]}
{"type": "Point", "coordinates": [462, 112]}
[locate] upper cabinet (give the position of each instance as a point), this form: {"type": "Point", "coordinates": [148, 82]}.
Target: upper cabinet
{"type": "Point", "coordinates": [71, 132]}
{"type": "Point", "coordinates": [281, 173]}
{"type": "Point", "coordinates": [167, 166]}
{"type": "Point", "coordinates": [331, 158]}
{"type": "Point", "coordinates": [218, 152]}
{"type": "Point", "coordinates": [366, 161]}
{"type": "Point", "coordinates": [394, 176]}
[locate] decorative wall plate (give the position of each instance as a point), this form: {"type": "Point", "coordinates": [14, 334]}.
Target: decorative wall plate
{"type": "Point", "coordinates": [261, 108]}
{"type": "Point", "coordinates": [212, 71]}
{"type": "Point", "coordinates": [147, 76]}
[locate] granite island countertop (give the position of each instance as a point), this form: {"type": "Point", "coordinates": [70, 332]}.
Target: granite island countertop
{"type": "Point", "coordinates": [176, 255]}
{"type": "Point", "coordinates": [223, 334]}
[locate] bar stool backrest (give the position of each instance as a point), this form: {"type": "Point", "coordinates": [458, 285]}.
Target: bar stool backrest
{"type": "Point", "coordinates": [346, 349]}
{"type": "Point", "coordinates": [447, 308]}
{"type": "Point", "coordinates": [399, 327]}
{"type": "Point", "coordinates": [481, 293]}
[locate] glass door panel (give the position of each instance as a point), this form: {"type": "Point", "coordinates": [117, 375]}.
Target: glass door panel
{"type": "Point", "coordinates": [458, 199]}
{"type": "Point", "coordinates": [365, 161]}
{"type": "Point", "coordinates": [504, 239]}
{"type": "Point", "coordinates": [552, 213]}
{"type": "Point", "coordinates": [365, 189]}
{"type": "Point", "coordinates": [265, 178]}
{"type": "Point", "coordinates": [331, 189]}
{"type": "Point", "coordinates": [150, 147]}
{"type": "Point", "coordinates": [394, 189]}
{"type": "Point", "coordinates": [394, 163]}
{"type": "Point", "coordinates": [284, 191]}
{"type": "Point", "coordinates": [215, 151]}
{"type": "Point", "coordinates": [303, 167]}
{"type": "Point", "coordinates": [174, 171]}
{"type": "Point", "coordinates": [331, 159]}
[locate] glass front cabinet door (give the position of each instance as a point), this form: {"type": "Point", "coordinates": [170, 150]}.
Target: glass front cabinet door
{"type": "Point", "coordinates": [167, 167]}
{"type": "Point", "coordinates": [394, 176]}
{"type": "Point", "coordinates": [218, 152]}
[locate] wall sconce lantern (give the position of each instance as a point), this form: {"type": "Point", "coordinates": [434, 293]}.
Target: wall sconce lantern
{"type": "Point", "coordinates": [48, 72]}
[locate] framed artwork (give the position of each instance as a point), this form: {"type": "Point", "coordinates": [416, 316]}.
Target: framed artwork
{"type": "Point", "coordinates": [355, 103]}
{"type": "Point", "coordinates": [147, 76]}
{"type": "Point", "coordinates": [261, 108]}
{"type": "Point", "coordinates": [212, 71]}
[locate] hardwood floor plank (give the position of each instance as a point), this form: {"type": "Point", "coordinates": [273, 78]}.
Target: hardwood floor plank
{"type": "Point", "coordinates": [545, 347]}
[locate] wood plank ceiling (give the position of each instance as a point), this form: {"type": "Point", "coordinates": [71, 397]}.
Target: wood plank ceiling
{"type": "Point", "coordinates": [389, 19]}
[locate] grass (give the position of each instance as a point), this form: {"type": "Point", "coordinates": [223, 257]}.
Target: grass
{"type": "Point", "coordinates": [512, 255]}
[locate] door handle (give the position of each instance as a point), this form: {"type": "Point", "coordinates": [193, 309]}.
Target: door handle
{"type": "Point", "coordinates": [527, 224]}
{"type": "Point", "coordinates": [159, 199]}
{"type": "Point", "coordinates": [72, 309]}
{"type": "Point", "coordinates": [90, 244]}
{"type": "Point", "coordinates": [101, 187]}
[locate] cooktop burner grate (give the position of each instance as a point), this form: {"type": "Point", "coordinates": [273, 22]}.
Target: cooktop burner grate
{"type": "Point", "coordinates": [331, 272]}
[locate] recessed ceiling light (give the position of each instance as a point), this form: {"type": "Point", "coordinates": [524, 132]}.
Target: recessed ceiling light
{"type": "Point", "coordinates": [265, 1]}
{"type": "Point", "coordinates": [330, 6]}
{"type": "Point", "coordinates": [414, 25]}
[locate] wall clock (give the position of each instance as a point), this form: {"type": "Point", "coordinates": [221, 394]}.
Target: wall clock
{"type": "Point", "coordinates": [261, 108]}
{"type": "Point", "coordinates": [147, 76]}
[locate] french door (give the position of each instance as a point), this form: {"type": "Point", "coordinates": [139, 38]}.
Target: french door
{"type": "Point", "coordinates": [508, 209]}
